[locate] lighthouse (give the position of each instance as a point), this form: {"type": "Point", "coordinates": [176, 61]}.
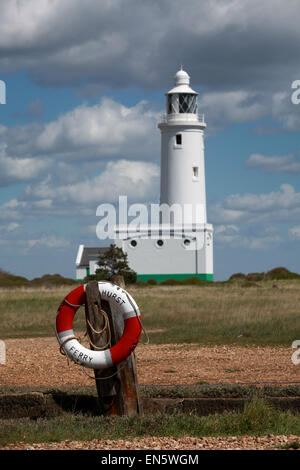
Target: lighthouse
{"type": "Point", "coordinates": [179, 244]}
{"type": "Point", "coordinates": [182, 153]}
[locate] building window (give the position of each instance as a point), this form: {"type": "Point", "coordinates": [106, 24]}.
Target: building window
{"type": "Point", "coordinates": [178, 139]}
{"type": "Point", "coordinates": [195, 172]}
{"type": "Point", "coordinates": [187, 103]}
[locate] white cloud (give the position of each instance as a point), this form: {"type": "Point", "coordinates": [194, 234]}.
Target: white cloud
{"type": "Point", "coordinates": [284, 199]}
{"type": "Point", "coordinates": [14, 170]}
{"type": "Point", "coordinates": [294, 232]}
{"type": "Point", "coordinates": [277, 206]}
{"type": "Point", "coordinates": [48, 241]}
{"type": "Point", "coordinates": [20, 245]}
{"type": "Point", "coordinates": [223, 108]}
{"type": "Point", "coordinates": [106, 130]}
{"type": "Point", "coordinates": [139, 181]}
{"type": "Point", "coordinates": [284, 111]}
{"type": "Point", "coordinates": [274, 164]}
{"type": "Point", "coordinates": [231, 236]}
{"type": "Point", "coordinates": [9, 227]}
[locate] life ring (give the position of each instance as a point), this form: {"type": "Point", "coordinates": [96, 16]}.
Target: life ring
{"type": "Point", "coordinates": [125, 305]}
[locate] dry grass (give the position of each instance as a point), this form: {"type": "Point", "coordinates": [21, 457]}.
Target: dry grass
{"type": "Point", "coordinates": [228, 313]}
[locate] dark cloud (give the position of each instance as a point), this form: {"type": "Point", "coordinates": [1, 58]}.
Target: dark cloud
{"type": "Point", "coordinates": [223, 44]}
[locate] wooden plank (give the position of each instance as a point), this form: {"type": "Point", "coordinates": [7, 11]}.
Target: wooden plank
{"type": "Point", "coordinates": [118, 393]}
{"type": "Point", "coordinates": [107, 389]}
{"type": "Point", "coordinates": [127, 369]}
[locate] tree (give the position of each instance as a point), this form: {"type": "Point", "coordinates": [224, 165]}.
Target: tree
{"type": "Point", "coordinates": [112, 262]}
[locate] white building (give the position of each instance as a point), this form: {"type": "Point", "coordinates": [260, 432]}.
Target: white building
{"type": "Point", "coordinates": [86, 260]}
{"type": "Point", "coordinates": [181, 245]}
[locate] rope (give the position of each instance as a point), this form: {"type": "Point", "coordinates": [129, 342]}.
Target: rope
{"type": "Point", "coordinates": [64, 342]}
{"type": "Point", "coordinates": [105, 327]}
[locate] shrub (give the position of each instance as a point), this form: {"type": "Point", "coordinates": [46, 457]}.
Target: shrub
{"type": "Point", "coordinates": [238, 277]}
{"type": "Point", "coordinates": [152, 282]}
{"type": "Point", "coordinates": [281, 273]}
{"type": "Point", "coordinates": [255, 277]}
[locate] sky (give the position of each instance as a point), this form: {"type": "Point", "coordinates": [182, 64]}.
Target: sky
{"type": "Point", "coordinates": [85, 87]}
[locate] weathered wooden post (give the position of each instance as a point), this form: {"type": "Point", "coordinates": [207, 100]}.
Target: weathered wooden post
{"type": "Point", "coordinates": [117, 386]}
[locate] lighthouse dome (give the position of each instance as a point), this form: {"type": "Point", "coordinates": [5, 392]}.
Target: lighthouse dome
{"type": "Point", "coordinates": [182, 83]}
{"type": "Point", "coordinates": [181, 78]}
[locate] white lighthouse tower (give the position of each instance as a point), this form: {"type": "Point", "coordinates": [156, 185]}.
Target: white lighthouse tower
{"type": "Point", "coordinates": [180, 245]}
{"type": "Point", "coordinates": [182, 152]}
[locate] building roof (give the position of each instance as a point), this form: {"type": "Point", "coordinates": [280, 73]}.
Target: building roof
{"type": "Point", "coordinates": [86, 254]}
{"type": "Point", "coordinates": [182, 82]}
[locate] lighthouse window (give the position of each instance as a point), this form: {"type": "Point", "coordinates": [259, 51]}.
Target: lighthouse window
{"type": "Point", "coordinates": [187, 103]}
{"type": "Point", "coordinates": [178, 139]}
{"type": "Point", "coordinates": [195, 172]}
{"type": "Point", "coordinates": [170, 109]}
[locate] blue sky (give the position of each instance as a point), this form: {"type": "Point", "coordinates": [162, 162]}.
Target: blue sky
{"type": "Point", "coordinates": [79, 126]}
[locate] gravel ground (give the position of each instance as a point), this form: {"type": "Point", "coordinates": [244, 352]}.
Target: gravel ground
{"type": "Point", "coordinates": [168, 443]}
{"type": "Point", "coordinates": [37, 361]}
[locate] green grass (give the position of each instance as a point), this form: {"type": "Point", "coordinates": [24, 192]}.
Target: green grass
{"type": "Point", "coordinates": [218, 313]}
{"type": "Point", "coordinates": [257, 418]}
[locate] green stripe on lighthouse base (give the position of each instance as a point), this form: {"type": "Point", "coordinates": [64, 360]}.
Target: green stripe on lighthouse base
{"type": "Point", "coordinates": [178, 277]}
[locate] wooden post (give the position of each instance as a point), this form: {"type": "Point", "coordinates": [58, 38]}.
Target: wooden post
{"type": "Point", "coordinates": [118, 393]}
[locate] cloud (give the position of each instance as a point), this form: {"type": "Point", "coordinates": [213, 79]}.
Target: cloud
{"type": "Point", "coordinates": [107, 130]}
{"type": "Point", "coordinates": [9, 227]}
{"type": "Point", "coordinates": [294, 232]}
{"type": "Point", "coordinates": [223, 44]}
{"type": "Point", "coordinates": [277, 206]}
{"type": "Point", "coordinates": [223, 108]}
{"type": "Point", "coordinates": [20, 170]}
{"type": "Point", "coordinates": [284, 199]}
{"type": "Point", "coordinates": [274, 164]}
{"type": "Point", "coordinates": [48, 241]}
{"type": "Point", "coordinates": [23, 246]}
{"type": "Point", "coordinates": [284, 111]}
{"type": "Point", "coordinates": [139, 181]}
{"type": "Point", "coordinates": [231, 236]}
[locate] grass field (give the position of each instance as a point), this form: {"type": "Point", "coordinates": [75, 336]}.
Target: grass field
{"type": "Point", "coordinates": [238, 313]}
{"type": "Point", "coordinates": [241, 313]}
{"type": "Point", "coordinates": [257, 418]}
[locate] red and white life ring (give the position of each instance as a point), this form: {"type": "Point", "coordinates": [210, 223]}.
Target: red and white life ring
{"type": "Point", "coordinates": [119, 299]}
